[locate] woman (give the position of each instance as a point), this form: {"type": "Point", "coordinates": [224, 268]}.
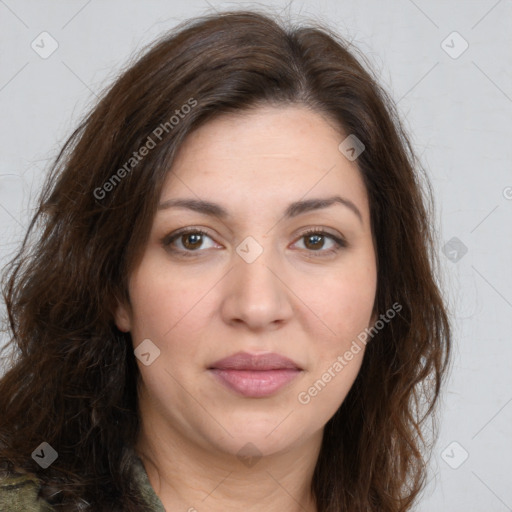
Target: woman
{"type": "Point", "coordinates": [231, 302]}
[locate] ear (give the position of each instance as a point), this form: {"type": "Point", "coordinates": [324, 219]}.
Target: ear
{"type": "Point", "coordinates": [122, 318]}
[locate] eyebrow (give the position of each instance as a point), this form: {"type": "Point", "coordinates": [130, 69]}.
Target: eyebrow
{"type": "Point", "coordinates": [293, 210]}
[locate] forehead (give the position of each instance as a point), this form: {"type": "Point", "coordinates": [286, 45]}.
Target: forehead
{"type": "Point", "coordinates": [265, 157]}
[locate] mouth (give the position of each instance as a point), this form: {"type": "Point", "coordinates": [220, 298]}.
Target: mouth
{"type": "Point", "coordinates": [255, 376]}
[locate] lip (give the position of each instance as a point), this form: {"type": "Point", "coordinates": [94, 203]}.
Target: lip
{"type": "Point", "coordinates": [246, 361]}
{"type": "Point", "coordinates": [255, 375]}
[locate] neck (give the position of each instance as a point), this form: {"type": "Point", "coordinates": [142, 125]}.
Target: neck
{"type": "Point", "coordinates": [187, 476]}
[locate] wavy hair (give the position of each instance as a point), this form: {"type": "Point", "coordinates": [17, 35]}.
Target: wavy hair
{"type": "Point", "coordinates": [73, 378]}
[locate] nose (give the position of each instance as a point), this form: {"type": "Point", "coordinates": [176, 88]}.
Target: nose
{"type": "Point", "coordinates": [256, 294]}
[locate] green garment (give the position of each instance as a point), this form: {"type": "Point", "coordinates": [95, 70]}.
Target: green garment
{"type": "Point", "coordinates": [19, 493]}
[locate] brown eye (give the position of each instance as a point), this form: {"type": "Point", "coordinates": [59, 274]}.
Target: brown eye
{"type": "Point", "coordinates": [186, 242]}
{"type": "Point", "coordinates": [315, 241]}
{"type": "Point", "coordinates": [191, 240]}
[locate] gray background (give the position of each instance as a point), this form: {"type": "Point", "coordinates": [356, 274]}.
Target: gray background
{"type": "Point", "coordinates": [457, 106]}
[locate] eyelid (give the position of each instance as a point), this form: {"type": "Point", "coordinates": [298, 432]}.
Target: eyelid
{"type": "Point", "coordinates": [340, 241]}
{"type": "Point", "coordinates": [168, 239]}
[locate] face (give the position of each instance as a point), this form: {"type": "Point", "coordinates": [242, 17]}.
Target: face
{"type": "Point", "coordinates": [253, 281]}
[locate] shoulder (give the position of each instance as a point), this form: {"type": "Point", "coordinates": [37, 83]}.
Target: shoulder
{"type": "Point", "coordinates": [147, 492]}
{"type": "Point", "coordinates": [19, 493]}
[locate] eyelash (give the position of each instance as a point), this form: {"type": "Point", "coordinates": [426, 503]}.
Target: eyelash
{"type": "Point", "coordinates": [169, 239]}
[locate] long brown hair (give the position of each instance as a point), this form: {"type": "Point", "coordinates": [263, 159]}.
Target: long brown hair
{"type": "Point", "coordinates": [74, 378]}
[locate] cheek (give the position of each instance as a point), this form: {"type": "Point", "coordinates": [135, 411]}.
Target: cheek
{"type": "Point", "coordinates": [344, 308]}
{"type": "Point", "coordinates": [165, 303]}
{"type": "Point", "coordinates": [155, 305]}
{"type": "Point", "coordinates": [342, 304]}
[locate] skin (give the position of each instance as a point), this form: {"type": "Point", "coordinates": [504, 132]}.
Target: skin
{"type": "Point", "coordinates": [294, 299]}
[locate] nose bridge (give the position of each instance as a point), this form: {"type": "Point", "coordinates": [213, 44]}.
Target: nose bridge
{"type": "Point", "coordinates": [255, 276]}
{"type": "Point", "coordinates": [252, 274]}
{"type": "Point", "coordinates": [256, 295]}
